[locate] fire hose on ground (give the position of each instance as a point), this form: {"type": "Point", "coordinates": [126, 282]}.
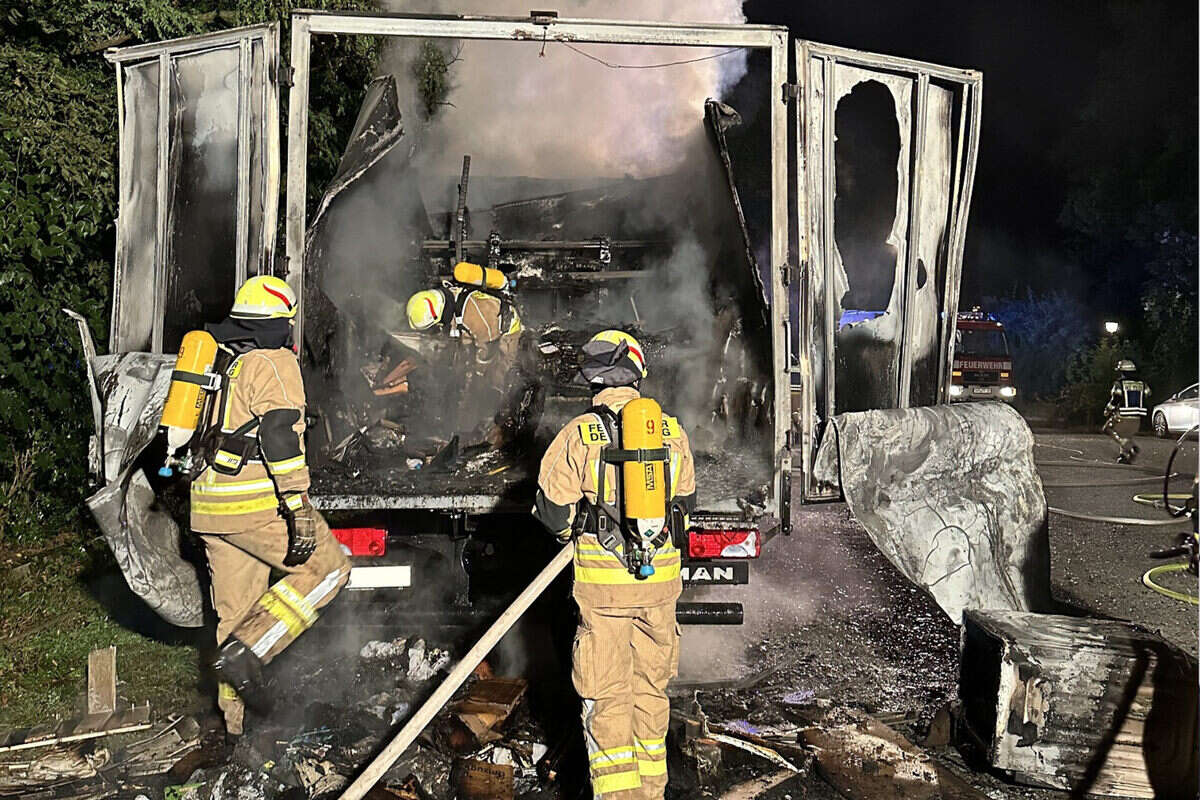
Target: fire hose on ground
{"type": "Point", "coordinates": [1184, 513]}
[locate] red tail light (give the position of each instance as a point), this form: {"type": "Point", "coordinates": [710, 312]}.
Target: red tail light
{"type": "Point", "coordinates": [363, 541]}
{"type": "Point", "coordinates": [738, 543]}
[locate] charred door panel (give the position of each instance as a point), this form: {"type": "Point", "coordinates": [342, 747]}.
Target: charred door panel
{"type": "Point", "coordinates": [199, 180]}
{"type": "Point", "coordinates": [886, 154]}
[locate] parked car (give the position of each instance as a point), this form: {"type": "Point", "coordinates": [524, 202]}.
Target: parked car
{"type": "Point", "coordinates": [1178, 413]}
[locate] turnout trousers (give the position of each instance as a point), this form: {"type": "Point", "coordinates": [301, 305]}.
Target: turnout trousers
{"type": "Point", "coordinates": [622, 660]}
{"type": "Point", "coordinates": [265, 617]}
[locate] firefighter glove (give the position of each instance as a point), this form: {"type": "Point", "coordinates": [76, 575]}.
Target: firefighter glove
{"type": "Point", "coordinates": [301, 520]}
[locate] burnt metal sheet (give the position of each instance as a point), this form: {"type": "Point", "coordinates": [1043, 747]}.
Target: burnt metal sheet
{"type": "Point", "coordinates": [144, 538]}
{"type": "Point", "coordinates": [199, 175]}
{"type": "Point", "coordinates": [951, 496]}
{"type": "Point", "coordinates": [376, 131]}
{"type": "Point", "coordinates": [886, 155]}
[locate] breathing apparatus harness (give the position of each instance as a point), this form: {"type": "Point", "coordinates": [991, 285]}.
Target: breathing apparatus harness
{"type": "Point", "coordinates": [631, 543]}
{"type": "Point", "coordinates": [459, 293]}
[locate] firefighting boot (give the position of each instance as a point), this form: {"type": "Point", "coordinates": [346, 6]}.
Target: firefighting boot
{"type": "Point", "coordinates": [237, 665]}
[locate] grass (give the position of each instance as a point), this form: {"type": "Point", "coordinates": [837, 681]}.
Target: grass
{"type": "Point", "coordinates": [51, 618]}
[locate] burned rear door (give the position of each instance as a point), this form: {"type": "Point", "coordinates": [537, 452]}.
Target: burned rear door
{"type": "Point", "coordinates": [886, 160]}
{"type": "Point", "coordinates": [199, 174]}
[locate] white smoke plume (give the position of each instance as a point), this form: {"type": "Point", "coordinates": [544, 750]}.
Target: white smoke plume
{"type": "Point", "coordinates": [574, 116]}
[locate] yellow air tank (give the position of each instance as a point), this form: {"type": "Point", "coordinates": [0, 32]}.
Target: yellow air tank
{"type": "Point", "coordinates": [186, 396]}
{"type": "Point", "coordinates": [475, 275]}
{"type": "Point", "coordinates": [644, 485]}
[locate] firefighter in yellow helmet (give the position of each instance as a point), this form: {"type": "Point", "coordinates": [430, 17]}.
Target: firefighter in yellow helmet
{"type": "Point", "coordinates": [476, 313]}
{"type": "Point", "coordinates": [626, 571]}
{"type": "Point", "coordinates": [250, 504]}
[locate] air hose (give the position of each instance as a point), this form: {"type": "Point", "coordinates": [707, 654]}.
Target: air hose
{"type": "Point", "coordinates": [1094, 485]}
{"type": "Point", "coordinates": [1161, 569]}
{"type": "Point", "coordinates": [1155, 499]}
{"type": "Point", "coordinates": [1150, 523]}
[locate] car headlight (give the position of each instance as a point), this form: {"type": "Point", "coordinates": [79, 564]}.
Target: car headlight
{"type": "Point", "coordinates": [1008, 391]}
{"type": "Point", "coordinates": [956, 390]}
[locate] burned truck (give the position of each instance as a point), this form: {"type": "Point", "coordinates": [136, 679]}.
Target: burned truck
{"type": "Point", "coordinates": [758, 330]}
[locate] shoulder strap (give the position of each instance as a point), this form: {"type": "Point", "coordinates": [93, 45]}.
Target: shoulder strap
{"type": "Point", "coordinates": [612, 426]}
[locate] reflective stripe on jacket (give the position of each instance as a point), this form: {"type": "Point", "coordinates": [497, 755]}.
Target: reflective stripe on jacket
{"type": "Point", "coordinates": [264, 386]}
{"type": "Point", "coordinates": [1129, 398]}
{"type": "Point", "coordinates": [569, 472]}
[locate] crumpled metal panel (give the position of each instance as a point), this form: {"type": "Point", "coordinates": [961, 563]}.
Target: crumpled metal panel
{"type": "Point", "coordinates": [145, 541]}
{"type": "Point", "coordinates": [144, 538]}
{"type": "Point", "coordinates": [951, 496]}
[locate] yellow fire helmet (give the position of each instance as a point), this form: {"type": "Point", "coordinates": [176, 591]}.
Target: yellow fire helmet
{"type": "Point", "coordinates": [264, 297]}
{"type": "Point", "coordinates": [425, 309]}
{"type": "Point", "coordinates": [613, 358]}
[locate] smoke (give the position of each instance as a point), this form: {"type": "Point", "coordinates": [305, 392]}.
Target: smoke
{"type": "Point", "coordinates": [547, 110]}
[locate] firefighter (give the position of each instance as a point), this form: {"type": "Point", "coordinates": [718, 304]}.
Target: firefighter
{"type": "Point", "coordinates": [1125, 409]}
{"type": "Point", "coordinates": [250, 503]}
{"type": "Point", "coordinates": [476, 313]}
{"type": "Point", "coordinates": [627, 645]}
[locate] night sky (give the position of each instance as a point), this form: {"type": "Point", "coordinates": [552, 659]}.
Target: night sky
{"type": "Point", "coordinates": [1075, 93]}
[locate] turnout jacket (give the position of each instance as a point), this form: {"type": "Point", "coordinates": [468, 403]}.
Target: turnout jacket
{"type": "Point", "coordinates": [494, 334]}
{"type": "Point", "coordinates": [570, 472]}
{"type": "Point", "coordinates": [266, 391]}
{"type": "Point", "coordinates": [1128, 398]}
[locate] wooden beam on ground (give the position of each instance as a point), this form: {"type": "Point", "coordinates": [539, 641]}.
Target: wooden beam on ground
{"type": "Point", "coordinates": [102, 681]}
{"type": "Point", "coordinates": [864, 759]}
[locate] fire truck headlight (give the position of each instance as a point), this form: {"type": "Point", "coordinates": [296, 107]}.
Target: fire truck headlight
{"type": "Point", "coordinates": [1008, 391]}
{"type": "Point", "coordinates": [956, 390]}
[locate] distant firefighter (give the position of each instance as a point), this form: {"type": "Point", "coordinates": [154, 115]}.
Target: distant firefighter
{"type": "Point", "coordinates": [1125, 409]}
{"type": "Point", "coordinates": [476, 312]}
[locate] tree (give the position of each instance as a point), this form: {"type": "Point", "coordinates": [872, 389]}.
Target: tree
{"type": "Point", "coordinates": [58, 188]}
{"type": "Point", "coordinates": [1041, 329]}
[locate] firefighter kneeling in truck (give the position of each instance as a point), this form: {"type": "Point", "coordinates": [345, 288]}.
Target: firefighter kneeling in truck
{"type": "Point", "coordinates": [1125, 410]}
{"type": "Point", "coordinates": [620, 480]}
{"type": "Point", "coordinates": [477, 314]}
{"type": "Point", "coordinates": [250, 504]}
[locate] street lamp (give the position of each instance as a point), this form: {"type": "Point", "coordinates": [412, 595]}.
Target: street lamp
{"type": "Point", "coordinates": [1111, 327]}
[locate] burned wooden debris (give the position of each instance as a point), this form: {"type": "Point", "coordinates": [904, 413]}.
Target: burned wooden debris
{"type": "Point", "coordinates": [1096, 706]}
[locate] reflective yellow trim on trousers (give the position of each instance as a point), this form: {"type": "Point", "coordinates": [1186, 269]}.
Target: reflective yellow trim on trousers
{"type": "Point", "coordinates": [302, 607]}
{"type": "Point", "coordinates": [611, 757]}
{"type": "Point", "coordinates": [236, 487]}
{"type": "Point", "coordinates": [225, 691]}
{"type": "Point", "coordinates": [233, 509]}
{"type": "Point", "coordinates": [616, 782]}
{"type": "Point", "coordinates": [651, 769]}
{"type": "Point", "coordinates": [280, 611]}
{"type": "Point", "coordinates": [286, 466]}
{"type": "Point", "coordinates": [651, 745]}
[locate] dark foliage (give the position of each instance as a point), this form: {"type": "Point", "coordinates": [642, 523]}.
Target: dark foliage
{"type": "Point", "coordinates": [58, 188]}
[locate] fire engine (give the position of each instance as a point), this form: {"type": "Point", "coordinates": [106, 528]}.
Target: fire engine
{"type": "Point", "coordinates": [982, 362]}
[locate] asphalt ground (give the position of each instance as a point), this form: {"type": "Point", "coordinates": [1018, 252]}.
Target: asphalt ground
{"type": "Point", "coordinates": [826, 613]}
{"type": "Point", "coordinates": [1098, 566]}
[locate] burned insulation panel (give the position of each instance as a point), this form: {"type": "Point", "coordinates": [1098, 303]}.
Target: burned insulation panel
{"type": "Point", "coordinates": [951, 496]}
{"type": "Point", "coordinates": [404, 414]}
{"type": "Point", "coordinates": [1090, 706]}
